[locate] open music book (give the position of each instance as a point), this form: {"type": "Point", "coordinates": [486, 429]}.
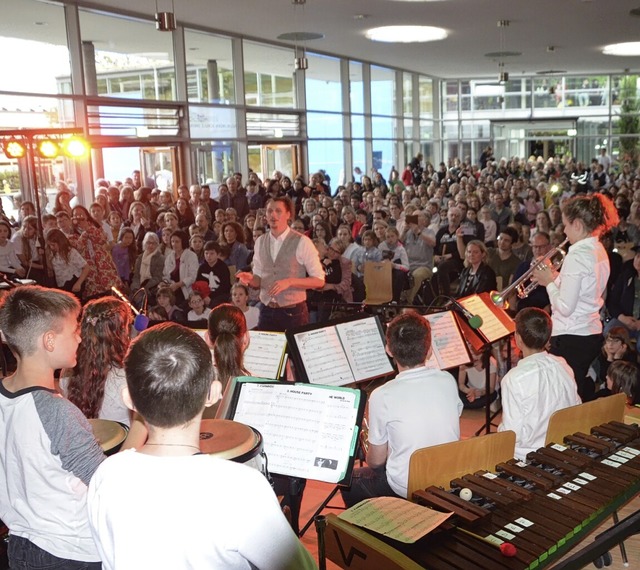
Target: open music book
{"type": "Point", "coordinates": [308, 431]}
{"type": "Point", "coordinates": [496, 323]}
{"type": "Point", "coordinates": [348, 351]}
{"type": "Point", "coordinates": [448, 347]}
{"type": "Point", "coordinates": [265, 357]}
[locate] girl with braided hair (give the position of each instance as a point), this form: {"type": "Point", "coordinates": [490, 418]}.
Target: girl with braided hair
{"type": "Point", "coordinates": [95, 383]}
{"type": "Point", "coordinates": [576, 292]}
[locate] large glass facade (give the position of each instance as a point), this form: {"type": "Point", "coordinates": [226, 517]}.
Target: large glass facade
{"type": "Point", "coordinates": [209, 68]}
{"type": "Point", "coordinates": [268, 76]}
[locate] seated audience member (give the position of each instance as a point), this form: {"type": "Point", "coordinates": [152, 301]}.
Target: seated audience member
{"type": "Point", "coordinates": [169, 379]}
{"type": "Point", "coordinates": [368, 252]}
{"type": "Point", "coordinates": [240, 298]}
{"type": "Point", "coordinates": [541, 245]}
{"type": "Point", "coordinates": [502, 259]}
{"type": "Point", "coordinates": [9, 262]}
{"type": "Point", "coordinates": [448, 259]}
{"type": "Point", "coordinates": [621, 302]}
{"type": "Point", "coordinates": [215, 273]}
{"type": "Point", "coordinates": [316, 298]}
{"type": "Point", "coordinates": [198, 311]}
{"type": "Point", "coordinates": [95, 383]}
{"type": "Point", "coordinates": [70, 270]}
{"type": "Point", "coordinates": [419, 241]}
{"type": "Point", "coordinates": [419, 408]}
{"type": "Point", "coordinates": [180, 267]}
{"type": "Point", "coordinates": [622, 376]}
{"type": "Point", "coordinates": [477, 276]}
{"type": "Point", "coordinates": [48, 452]}
{"type": "Point", "coordinates": [538, 386]}
{"type": "Point", "coordinates": [616, 346]}
{"type": "Point", "coordinates": [167, 300]}
{"type": "Point", "coordinates": [472, 382]}
{"type": "Point", "coordinates": [393, 251]}
{"type": "Point", "coordinates": [149, 267]}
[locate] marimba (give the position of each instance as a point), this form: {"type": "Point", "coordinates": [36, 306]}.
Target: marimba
{"type": "Point", "coordinates": [543, 506]}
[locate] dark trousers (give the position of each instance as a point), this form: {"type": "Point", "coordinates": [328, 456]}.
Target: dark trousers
{"type": "Point", "coordinates": [281, 319]}
{"type": "Point", "coordinates": [445, 269]}
{"type": "Point", "coordinates": [367, 483]}
{"type": "Point", "coordinates": [579, 352]}
{"type": "Point", "coordinates": [24, 555]}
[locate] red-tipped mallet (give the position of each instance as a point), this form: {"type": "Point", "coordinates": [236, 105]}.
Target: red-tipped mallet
{"type": "Point", "coordinates": [506, 548]}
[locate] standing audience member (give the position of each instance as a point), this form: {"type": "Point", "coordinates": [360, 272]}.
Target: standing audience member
{"type": "Point", "coordinates": [419, 408]}
{"type": "Point", "coordinates": [538, 386]}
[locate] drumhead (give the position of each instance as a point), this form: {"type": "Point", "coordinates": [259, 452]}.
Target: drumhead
{"type": "Point", "coordinates": [109, 434]}
{"type": "Point", "coordinates": [229, 440]}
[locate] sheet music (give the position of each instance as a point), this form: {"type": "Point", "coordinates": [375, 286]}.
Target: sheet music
{"type": "Point", "coordinates": [323, 357]}
{"type": "Point", "coordinates": [396, 518]}
{"type": "Point", "coordinates": [449, 348]}
{"type": "Point", "coordinates": [364, 347]}
{"type": "Point", "coordinates": [264, 355]}
{"type": "Point", "coordinates": [308, 431]}
{"type": "Point", "coordinates": [491, 327]}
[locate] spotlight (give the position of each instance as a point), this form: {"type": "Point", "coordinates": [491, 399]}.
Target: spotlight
{"type": "Point", "coordinates": [47, 148]}
{"type": "Point", "coordinates": [14, 148]}
{"type": "Point", "coordinates": [75, 147]}
{"type": "Point", "coordinates": [555, 188]}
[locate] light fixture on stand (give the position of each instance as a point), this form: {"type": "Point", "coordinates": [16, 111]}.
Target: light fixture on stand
{"type": "Point", "coordinates": [300, 62]}
{"type": "Point", "coordinates": [165, 21]}
{"type": "Point", "coordinates": [503, 76]}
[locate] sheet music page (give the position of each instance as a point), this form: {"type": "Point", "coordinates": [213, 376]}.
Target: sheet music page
{"type": "Point", "coordinates": [364, 347]}
{"type": "Point", "coordinates": [263, 356]}
{"type": "Point", "coordinates": [323, 357]}
{"type": "Point", "coordinates": [396, 518]}
{"type": "Point", "coordinates": [449, 348]}
{"type": "Point", "coordinates": [491, 327]}
{"type": "Point", "coordinates": [308, 431]}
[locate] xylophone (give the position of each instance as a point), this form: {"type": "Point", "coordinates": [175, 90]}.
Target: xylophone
{"type": "Point", "coordinates": [543, 506]}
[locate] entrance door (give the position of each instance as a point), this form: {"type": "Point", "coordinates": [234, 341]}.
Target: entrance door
{"type": "Point", "coordinates": [265, 158]}
{"type": "Point", "coordinates": [543, 139]}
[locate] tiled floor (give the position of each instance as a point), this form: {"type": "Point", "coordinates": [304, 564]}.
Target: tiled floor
{"type": "Point", "coordinates": [472, 420]}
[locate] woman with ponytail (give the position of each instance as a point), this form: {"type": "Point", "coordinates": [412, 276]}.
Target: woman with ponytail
{"type": "Point", "coordinates": [576, 292]}
{"type": "Point", "coordinates": [95, 383]}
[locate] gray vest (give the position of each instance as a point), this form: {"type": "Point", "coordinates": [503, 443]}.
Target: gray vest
{"type": "Point", "coordinates": [284, 266]}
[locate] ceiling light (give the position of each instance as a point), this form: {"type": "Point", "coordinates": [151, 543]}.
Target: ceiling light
{"type": "Point", "coordinates": [624, 49]}
{"type": "Point", "coordinates": [406, 34]}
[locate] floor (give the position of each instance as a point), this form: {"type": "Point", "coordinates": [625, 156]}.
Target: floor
{"type": "Point", "coordinates": [472, 420]}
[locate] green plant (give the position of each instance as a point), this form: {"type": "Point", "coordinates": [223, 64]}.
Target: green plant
{"type": "Point", "coordinates": [629, 123]}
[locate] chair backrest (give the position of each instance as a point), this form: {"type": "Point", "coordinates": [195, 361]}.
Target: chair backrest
{"type": "Point", "coordinates": [232, 273]}
{"type": "Point", "coordinates": [439, 464]}
{"type": "Point", "coordinates": [377, 282]}
{"type": "Point", "coordinates": [583, 417]}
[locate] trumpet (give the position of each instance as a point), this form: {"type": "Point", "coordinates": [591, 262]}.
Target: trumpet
{"type": "Point", "coordinates": [523, 286]}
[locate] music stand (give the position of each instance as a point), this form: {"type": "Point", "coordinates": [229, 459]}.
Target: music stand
{"type": "Point", "coordinates": [496, 326]}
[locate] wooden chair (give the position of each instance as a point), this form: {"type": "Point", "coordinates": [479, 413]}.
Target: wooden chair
{"type": "Point", "coordinates": [377, 282]}
{"type": "Point", "coordinates": [583, 417]}
{"type": "Point", "coordinates": [232, 273]}
{"type": "Point", "coordinates": [439, 464]}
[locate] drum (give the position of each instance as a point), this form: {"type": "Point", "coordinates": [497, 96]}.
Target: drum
{"type": "Point", "coordinates": [110, 434]}
{"type": "Point", "coordinates": [235, 441]}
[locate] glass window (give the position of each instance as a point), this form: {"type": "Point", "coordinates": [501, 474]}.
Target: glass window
{"type": "Point", "coordinates": [547, 92]}
{"type": "Point", "coordinates": [327, 156]}
{"type": "Point", "coordinates": [358, 155]}
{"type": "Point", "coordinates": [209, 68]}
{"type": "Point", "coordinates": [383, 127]}
{"type": "Point", "coordinates": [517, 94]}
{"type": "Point", "coordinates": [450, 130]}
{"type": "Point", "coordinates": [384, 155]}
{"type": "Point", "coordinates": [322, 83]}
{"type": "Point", "coordinates": [426, 130]}
{"type": "Point", "coordinates": [357, 126]}
{"type": "Point", "coordinates": [407, 94]}
{"type": "Point", "coordinates": [450, 96]}
{"type": "Point", "coordinates": [26, 24]}
{"type": "Point", "coordinates": [123, 63]}
{"type": "Point", "coordinates": [324, 125]}
{"type": "Point", "coordinates": [356, 87]}
{"type": "Point", "coordinates": [408, 128]}
{"type": "Point", "coordinates": [425, 92]}
{"type": "Point", "coordinates": [383, 91]}
{"type": "Point", "coordinates": [215, 162]}
{"type": "Point", "coordinates": [268, 73]}
{"type": "Point", "coordinates": [273, 125]}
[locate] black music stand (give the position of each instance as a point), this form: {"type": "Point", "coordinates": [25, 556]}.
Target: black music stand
{"type": "Point", "coordinates": [497, 325]}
